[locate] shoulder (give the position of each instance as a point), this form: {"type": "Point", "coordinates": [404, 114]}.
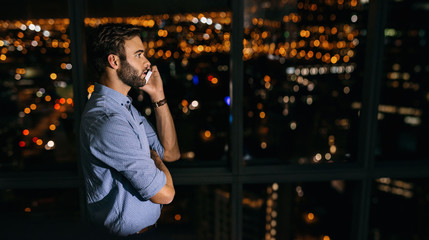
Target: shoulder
{"type": "Point", "coordinates": [98, 119]}
{"type": "Point", "coordinates": [107, 123]}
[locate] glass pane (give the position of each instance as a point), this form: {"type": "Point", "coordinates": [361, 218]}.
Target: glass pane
{"type": "Point", "coordinates": [399, 209]}
{"type": "Point", "coordinates": [32, 213]}
{"type": "Point", "coordinates": [197, 212]}
{"type": "Point", "coordinates": [311, 210]}
{"type": "Point", "coordinates": [36, 88]}
{"type": "Point", "coordinates": [190, 43]}
{"type": "Point", "coordinates": [303, 68]}
{"type": "Point", "coordinates": [404, 108]}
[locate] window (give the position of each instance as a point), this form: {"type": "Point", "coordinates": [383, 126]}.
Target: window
{"type": "Point", "coordinates": [302, 87]}
{"type": "Point", "coordinates": [43, 213]}
{"type": "Point", "coordinates": [310, 210]}
{"type": "Point", "coordinates": [198, 212]}
{"type": "Point", "coordinates": [398, 207]}
{"type": "Point", "coordinates": [37, 89]}
{"type": "Point", "coordinates": [404, 98]}
{"type": "Point", "coordinates": [296, 119]}
{"type": "Point", "coordinates": [191, 48]}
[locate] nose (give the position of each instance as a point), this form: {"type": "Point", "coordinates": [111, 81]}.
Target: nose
{"type": "Point", "coordinates": [147, 64]}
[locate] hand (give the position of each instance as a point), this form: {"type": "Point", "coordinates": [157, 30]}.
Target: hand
{"type": "Point", "coordinates": [154, 86]}
{"type": "Point", "coordinates": [155, 157]}
{"type": "Point", "coordinates": [153, 154]}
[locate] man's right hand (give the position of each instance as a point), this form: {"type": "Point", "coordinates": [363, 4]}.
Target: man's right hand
{"type": "Point", "coordinates": [166, 194]}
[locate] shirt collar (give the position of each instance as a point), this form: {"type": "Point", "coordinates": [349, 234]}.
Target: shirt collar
{"type": "Point", "coordinates": [113, 94]}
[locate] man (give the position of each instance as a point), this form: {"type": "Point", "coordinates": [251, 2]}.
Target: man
{"type": "Point", "coordinates": [122, 157]}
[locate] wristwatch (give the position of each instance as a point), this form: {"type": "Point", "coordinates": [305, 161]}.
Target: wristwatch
{"type": "Point", "coordinates": [159, 103]}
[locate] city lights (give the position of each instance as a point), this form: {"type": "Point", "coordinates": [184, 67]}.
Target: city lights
{"type": "Point", "coordinates": [53, 76]}
{"type": "Point", "coordinates": [302, 96]}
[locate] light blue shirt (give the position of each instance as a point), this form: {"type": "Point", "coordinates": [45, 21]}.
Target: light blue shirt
{"type": "Point", "coordinates": [120, 176]}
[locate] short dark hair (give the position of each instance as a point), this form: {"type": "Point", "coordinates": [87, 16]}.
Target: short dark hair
{"type": "Point", "coordinates": [109, 39]}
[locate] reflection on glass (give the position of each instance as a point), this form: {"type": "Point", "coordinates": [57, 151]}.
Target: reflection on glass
{"type": "Point", "coordinates": [404, 102]}
{"type": "Point", "coordinates": [197, 212]}
{"type": "Point", "coordinates": [36, 95]}
{"type": "Point", "coordinates": [297, 210]}
{"type": "Point", "coordinates": [399, 209]}
{"type": "Point", "coordinates": [302, 88]}
{"type": "Point", "coordinates": [192, 53]}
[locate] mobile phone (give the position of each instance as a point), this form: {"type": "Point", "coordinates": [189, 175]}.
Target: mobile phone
{"type": "Point", "coordinates": [148, 74]}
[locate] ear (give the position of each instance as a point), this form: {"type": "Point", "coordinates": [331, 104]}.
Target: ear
{"type": "Point", "coordinates": [114, 61]}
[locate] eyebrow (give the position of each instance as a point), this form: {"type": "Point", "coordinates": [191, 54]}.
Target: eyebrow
{"type": "Point", "coordinates": [139, 51]}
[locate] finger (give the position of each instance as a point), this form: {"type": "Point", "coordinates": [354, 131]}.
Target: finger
{"type": "Point", "coordinates": [153, 153]}
{"type": "Point", "coordinates": [154, 68]}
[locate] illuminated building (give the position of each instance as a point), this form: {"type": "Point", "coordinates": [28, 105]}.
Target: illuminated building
{"type": "Point", "coordinates": [305, 106]}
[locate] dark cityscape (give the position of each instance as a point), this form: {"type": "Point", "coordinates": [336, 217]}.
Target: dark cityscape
{"type": "Point", "coordinates": [307, 121]}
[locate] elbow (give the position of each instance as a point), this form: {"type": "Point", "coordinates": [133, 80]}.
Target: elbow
{"type": "Point", "coordinates": [176, 156]}
{"type": "Point", "coordinates": [168, 197]}
{"type": "Point", "coordinates": [165, 196]}
{"type": "Point", "coordinates": [171, 156]}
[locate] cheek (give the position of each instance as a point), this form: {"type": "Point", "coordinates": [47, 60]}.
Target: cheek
{"type": "Point", "coordinates": [136, 67]}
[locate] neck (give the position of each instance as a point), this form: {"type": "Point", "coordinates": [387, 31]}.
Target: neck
{"type": "Point", "coordinates": [112, 81]}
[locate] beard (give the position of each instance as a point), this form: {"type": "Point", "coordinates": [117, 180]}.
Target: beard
{"type": "Point", "coordinates": [130, 76]}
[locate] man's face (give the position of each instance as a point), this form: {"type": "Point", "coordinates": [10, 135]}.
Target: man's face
{"type": "Point", "coordinates": [130, 76]}
{"type": "Point", "coordinates": [133, 69]}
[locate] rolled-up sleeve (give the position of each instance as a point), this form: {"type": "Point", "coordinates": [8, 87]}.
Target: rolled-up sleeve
{"type": "Point", "coordinates": [153, 139]}
{"type": "Point", "coordinates": [116, 144]}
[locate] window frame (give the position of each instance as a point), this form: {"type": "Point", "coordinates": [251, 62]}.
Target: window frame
{"type": "Point", "coordinates": [364, 171]}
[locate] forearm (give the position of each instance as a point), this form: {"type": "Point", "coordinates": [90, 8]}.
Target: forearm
{"type": "Point", "coordinates": [167, 133]}
{"type": "Point", "coordinates": [164, 121]}
{"type": "Point", "coordinates": [161, 166]}
{"type": "Point", "coordinates": [166, 194]}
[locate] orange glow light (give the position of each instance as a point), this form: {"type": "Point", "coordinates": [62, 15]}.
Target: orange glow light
{"type": "Point", "coordinates": [207, 134]}
{"type": "Point", "coordinates": [62, 100]}
{"type": "Point", "coordinates": [69, 101]}
{"type": "Point", "coordinates": [27, 110]}
{"type": "Point", "coordinates": [25, 132]}
{"type": "Point", "coordinates": [346, 58]}
{"type": "Point", "coordinates": [91, 89]}
{"type": "Point", "coordinates": [177, 217]}
{"type": "Point", "coordinates": [267, 78]}
{"type": "Point", "coordinates": [39, 142]}
{"type": "Point", "coordinates": [27, 209]}
{"type": "Point", "coordinates": [48, 98]}
{"type": "Point", "coordinates": [52, 127]}
{"type": "Point", "coordinates": [57, 106]}
{"type": "Point", "coordinates": [53, 76]}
